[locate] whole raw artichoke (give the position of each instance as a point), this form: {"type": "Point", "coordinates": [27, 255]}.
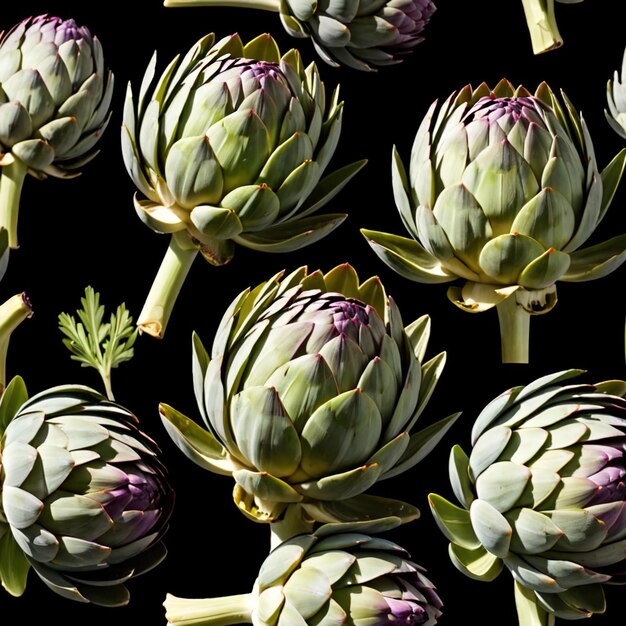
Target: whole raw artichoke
{"type": "Point", "coordinates": [541, 21]}
{"type": "Point", "coordinates": [362, 34]}
{"type": "Point", "coordinates": [502, 191]}
{"type": "Point", "coordinates": [340, 574]}
{"type": "Point", "coordinates": [54, 105]}
{"type": "Point", "coordinates": [309, 395]}
{"type": "Point", "coordinates": [616, 98]}
{"type": "Point", "coordinates": [84, 499]}
{"type": "Point", "coordinates": [543, 492]}
{"type": "Point", "coordinates": [230, 147]}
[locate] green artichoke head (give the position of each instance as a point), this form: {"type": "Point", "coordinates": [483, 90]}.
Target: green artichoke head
{"type": "Point", "coordinates": [543, 492]}
{"type": "Point", "coordinates": [310, 395]}
{"type": "Point", "coordinates": [502, 191]}
{"type": "Point", "coordinates": [229, 146]}
{"type": "Point", "coordinates": [54, 96]}
{"type": "Point", "coordinates": [340, 574]}
{"type": "Point", "coordinates": [362, 34]}
{"type": "Point", "coordinates": [84, 499]}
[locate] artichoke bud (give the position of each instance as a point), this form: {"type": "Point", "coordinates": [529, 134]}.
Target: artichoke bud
{"type": "Point", "coordinates": [53, 69]}
{"type": "Point", "coordinates": [332, 575]}
{"type": "Point", "coordinates": [83, 493]}
{"type": "Point", "coordinates": [503, 188]}
{"type": "Point", "coordinates": [312, 387]}
{"type": "Point", "coordinates": [543, 493]}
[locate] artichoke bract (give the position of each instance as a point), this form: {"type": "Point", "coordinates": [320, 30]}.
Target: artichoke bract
{"type": "Point", "coordinates": [84, 499]}
{"type": "Point", "coordinates": [361, 34]}
{"type": "Point", "coordinates": [340, 574]}
{"type": "Point", "coordinates": [502, 191]}
{"type": "Point", "coordinates": [230, 147]}
{"type": "Point", "coordinates": [541, 21]}
{"type": "Point", "coordinates": [616, 99]}
{"type": "Point", "coordinates": [309, 396]}
{"type": "Point", "coordinates": [543, 493]}
{"type": "Point", "coordinates": [55, 96]}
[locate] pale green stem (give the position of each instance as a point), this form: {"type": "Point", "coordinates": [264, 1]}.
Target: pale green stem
{"type": "Point", "coordinates": [265, 5]}
{"type": "Point", "coordinates": [529, 613]}
{"type": "Point", "coordinates": [293, 523]}
{"type": "Point", "coordinates": [544, 33]}
{"type": "Point", "coordinates": [514, 330]}
{"type": "Point", "coordinates": [12, 313]}
{"type": "Point", "coordinates": [166, 286]}
{"type": "Point", "coordinates": [106, 379]}
{"type": "Point", "coordinates": [208, 611]}
{"type": "Point", "coordinates": [11, 182]}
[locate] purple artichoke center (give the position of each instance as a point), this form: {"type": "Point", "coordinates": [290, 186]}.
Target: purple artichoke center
{"type": "Point", "coordinates": [405, 612]}
{"type": "Point", "coordinates": [492, 109]}
{"type": "Point", "coordinates": [349, 316]}
{"type": "Point", "coordinates": [610, 480]}
{"type": "Point", "coordinates": [56, 30]}
{"type": "Point", "coordinates": [141, 492]}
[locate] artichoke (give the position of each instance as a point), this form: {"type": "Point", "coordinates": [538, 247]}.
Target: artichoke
{"type": "Point", "coordinates": [84, 499]}
{"type": "Point", "coordinates": [361, 34]}
{"type": "Point", "coordinates": [308, 396]}
{"type": "Point", "coordinates": [229, 147]}
{"type": "Point", "coordinates": [616, 98]}
{"type": "Point", "coordinates": [541, 21]}
{"type": "Point", "coordinates": [543, 492]}
{"type": "Point", "coordinates": [337, 575]}
{"type": "Point", "coordinates": [54, 105]}
{"type": "Point", "coordinates": [503, 189]}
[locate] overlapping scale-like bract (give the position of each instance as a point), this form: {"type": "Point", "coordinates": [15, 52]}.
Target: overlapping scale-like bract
{"type": "Point", "coordinates": [543, 492]}
{"type": "Point", "coordinates": [310, 395]}
{"type": "Point", "coordinates": [84, 496]}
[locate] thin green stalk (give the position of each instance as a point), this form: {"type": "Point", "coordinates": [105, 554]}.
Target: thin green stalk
{"type": "Point", "coordinates": [514, 330]}
{"type": "Point", "coordinates": [11, 182]}
{"type": "Point", "coordinates": [544, 33]}
{"type": "Point", "coordinates": [294, 523]}
{"type": "Point", "coordinates": [208, 611]}
{"type": "Point", "coordinates": [265, 5]}
{"type": "Point", "coordinates": [529, 613]}
{"type": "Point", "coordinates": [12, 313]}
{"type": "Point", "coordinates": [175, 266]}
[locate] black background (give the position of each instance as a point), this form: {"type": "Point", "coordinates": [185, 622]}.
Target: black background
{"type": "Point", "coordinates": [85, 232]}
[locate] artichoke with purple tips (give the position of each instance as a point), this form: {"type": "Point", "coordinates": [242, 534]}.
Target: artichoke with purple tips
{"type": "Point", "coordinates": [229, 147]}
{"type": "Point", "coordinates": [84, 499]}
{"type": "Point", "coordinates": [502, 191]}
{"type": "Point", "coordinates": [543, 493]}
{"type": "Point", "coordinates": [55, 97]}
{"type": "Point", "coordinates": [309, 397]}
{"type": "Point", "coordinates": [340, 574]}
{"type": "Point", "coordinates": [361, 34]}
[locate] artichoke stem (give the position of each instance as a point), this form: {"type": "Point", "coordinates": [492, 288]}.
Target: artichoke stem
{"type": "Point", "coordinates": [265, 5]}
{"type": "Point", "coordinates": [12, 313]}
{"type": "Point", "coordinates": [208, 611]}
{"type": "Point", "coordinates": [294, 522]}
{"type": "Point", "coordinates": [166, 286]}
{"type": "Point", "coordinates": [11, 182]}
{"type": "Point", "coordinates": [544, 33]}
{"type": "Point", "coordinates": [529, 613]}
{"type": "Point", "coordinates": [514, 330]}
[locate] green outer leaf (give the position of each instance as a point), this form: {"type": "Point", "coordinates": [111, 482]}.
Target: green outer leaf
{"type": "Point", "coordinates": [454, 522]}
{"type": "Point", "coordinates": [407, 257]}
{"type": "Point", "coordinates": [361, 507]}
{"type": "Point", "coordinates": [477, 564]}
{"type": "Point", "coordinates": [611, 176]}
{"type": "Point", "coordinates": [596, 261]}
{"type": "Point", "coordinates": [11, 400]}
{"type": "Point", "coordinates": [14, 565]}
{"type": "Point", "coordinates": [491, 528]}
{"type": "Point", "coordinates": [195, 442]}
{"type": "Point", "coordinates": [363, 527]}
{"type": "Point", "coordinates": [458, 469]}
